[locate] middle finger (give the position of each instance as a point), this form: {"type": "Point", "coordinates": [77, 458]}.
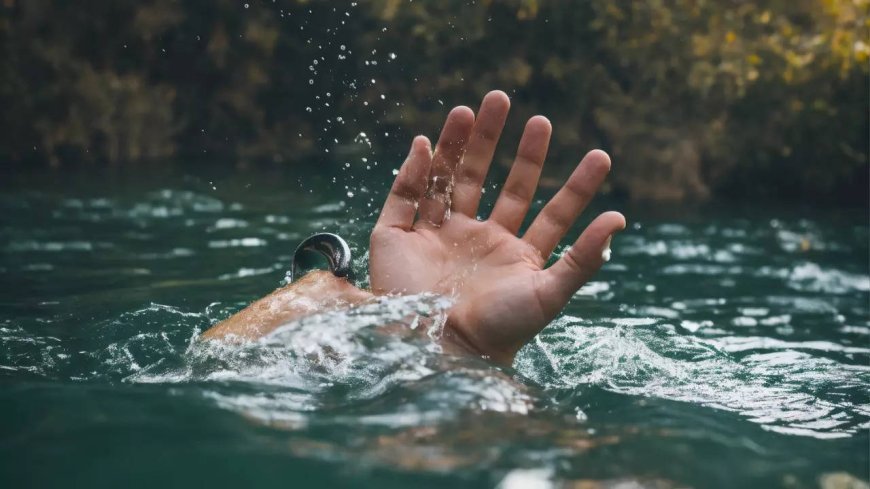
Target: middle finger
{"type": "Point", "coordinates": [478, 154]}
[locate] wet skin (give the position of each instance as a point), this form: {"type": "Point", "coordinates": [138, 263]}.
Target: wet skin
{"type": "Point", "coordinates": [428, 239]}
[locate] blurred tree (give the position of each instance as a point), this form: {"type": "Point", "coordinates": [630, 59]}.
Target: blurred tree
{"type": "Point", "coordinates": [692, 97]}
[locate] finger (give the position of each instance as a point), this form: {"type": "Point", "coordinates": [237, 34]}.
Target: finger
{"type": "Point", "coordinates": [408, 188]}
{"type": "Point", "coordinates": [519, 189]}
{"type": "Point", "coordinates": [562, 210]}
{"type": "Point", "coordinates": [579, 263]}
{"type": "Point", "coordinates": [478, 153]}
{"type": "Point", "coordinates": [448, 152]}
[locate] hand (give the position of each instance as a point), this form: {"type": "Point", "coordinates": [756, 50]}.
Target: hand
{"type": "Point", "coordinates": [428, 239]}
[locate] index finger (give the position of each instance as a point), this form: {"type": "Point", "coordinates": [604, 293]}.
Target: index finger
{"type": "Point", "coordinates": [408, 188]}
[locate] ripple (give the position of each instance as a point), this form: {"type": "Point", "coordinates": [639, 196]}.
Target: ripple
{"type": "Point", "coordinates": [227, 223]}
{"type": "Point", "coordinates": [55, 246]}
{"type": "Point", "coordinates": [654, 361]}
{"type": "Point", "coordinates": [813, 278]}
{"type": "Point", "coordinates": [238, 243]}
{"type": "Point", "coordinates": [249, 272]}
{"type": "Point", "coordinates": [745, 343]}
{"type": "Point", "coordinates": [40, 356]}
{"type": "Point", "coordinates": [768, 320]}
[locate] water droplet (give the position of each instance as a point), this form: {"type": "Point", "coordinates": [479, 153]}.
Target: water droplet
{"type": "Point", "coordinates": [362, 138]}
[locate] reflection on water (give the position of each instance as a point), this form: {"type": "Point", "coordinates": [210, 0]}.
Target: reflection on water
{"type": "Point", "coordinates": [745, 337]}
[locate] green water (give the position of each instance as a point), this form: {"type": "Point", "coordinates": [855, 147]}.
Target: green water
{"type": "Point", "coordinates": [721, 347]}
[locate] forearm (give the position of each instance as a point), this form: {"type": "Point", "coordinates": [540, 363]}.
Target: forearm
{"type": "Point", "coordinates": [316, 292]}
{"type": "Point", "coordinates": [263, 316]}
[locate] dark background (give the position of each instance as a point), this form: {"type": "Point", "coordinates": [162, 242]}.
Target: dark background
{"type": "Point", "coordinates": [694, 99]}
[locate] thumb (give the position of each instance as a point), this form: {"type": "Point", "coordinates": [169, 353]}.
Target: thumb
{"type": "Point", "coordinates": [580, 263]}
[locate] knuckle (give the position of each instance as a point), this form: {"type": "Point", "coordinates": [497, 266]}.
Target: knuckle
{"type": "Point", "coordinates": [572, 261]}
{"type": "Point", "coordinates": [557, 220]}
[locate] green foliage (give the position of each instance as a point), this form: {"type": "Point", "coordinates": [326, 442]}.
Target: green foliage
{"type": "Point", "coordinates": [692, 97]}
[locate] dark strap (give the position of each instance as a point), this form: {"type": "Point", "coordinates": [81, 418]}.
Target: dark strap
{"type": "Point", "coordinates": [331, 246]}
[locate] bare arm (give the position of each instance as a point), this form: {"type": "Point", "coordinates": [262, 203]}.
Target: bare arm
{"type": "Point", "coordinates": [317, 291]}
{"type": "Point", "coordinates": [428, 239]}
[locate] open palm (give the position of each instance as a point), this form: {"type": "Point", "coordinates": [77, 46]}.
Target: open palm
{"type": "Point", "coordinates": [428, 238]}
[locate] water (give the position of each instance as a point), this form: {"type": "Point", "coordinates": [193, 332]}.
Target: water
{"type": "Point", "coordinates": [721, 347]}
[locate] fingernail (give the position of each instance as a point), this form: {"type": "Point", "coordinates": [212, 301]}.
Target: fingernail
{"type": "Point", "coordinates": [606, 252]}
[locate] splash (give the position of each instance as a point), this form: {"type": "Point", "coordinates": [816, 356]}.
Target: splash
{"type": "Point", "coordinates": [783, 390]}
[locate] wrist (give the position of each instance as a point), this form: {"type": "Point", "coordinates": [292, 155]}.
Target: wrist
{"type": "Point", "coordinates": [325, 287]}
{"type": "Point", "coordinates": [458, 340]}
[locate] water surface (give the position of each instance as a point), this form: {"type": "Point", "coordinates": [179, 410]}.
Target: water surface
{"type": "Point", "coordinates": [721, 347]}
